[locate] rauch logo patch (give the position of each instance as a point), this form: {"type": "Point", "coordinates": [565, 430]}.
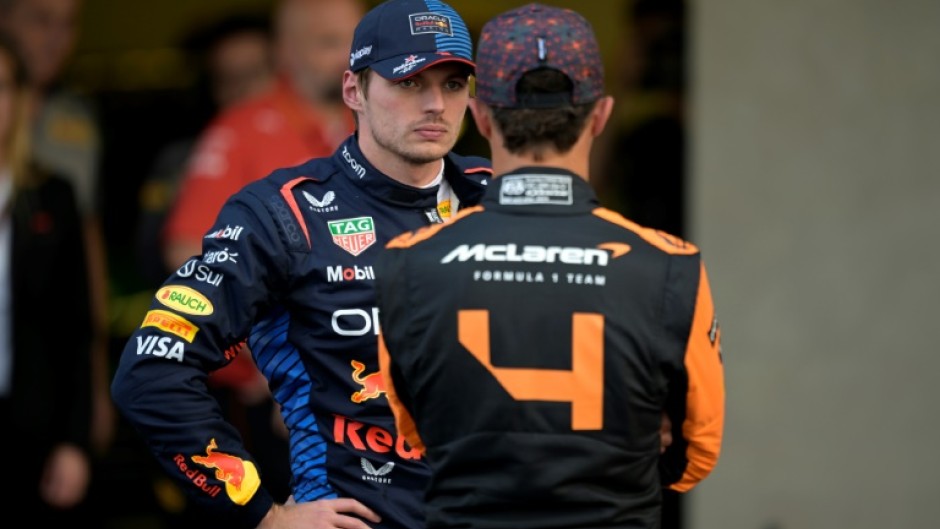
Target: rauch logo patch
{"type": "Point", "coordinates": [185, 300]}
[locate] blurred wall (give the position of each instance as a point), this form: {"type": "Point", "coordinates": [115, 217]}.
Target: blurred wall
{"type": "Point", "coordinates": [815, 185]}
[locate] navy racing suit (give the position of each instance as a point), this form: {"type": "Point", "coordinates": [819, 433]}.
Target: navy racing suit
{"type": "Point", "coordinates": [287, 267]}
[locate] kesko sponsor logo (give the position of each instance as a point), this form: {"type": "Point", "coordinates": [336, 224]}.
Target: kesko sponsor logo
{"type": "Point", "coordinates": [171, 323]}
{"type": "Point", "coordinates": [356, 166]}
{"type": "Point", "coordinates": [200, 272]}
{"type": "Point", "coordinates": [227, 232]}
{"type": "Point", "coordinates": [376, 475]}
{"type": "Point", "coordinates": [240, 476]}
{"type": "Point", "coordinates": [374, 439]}
{"type": "Point", "coordinates": [161, 347]}
{"type": "Point", "coordinates": [373, 385]}
{"type": "Point", "coordinates": [500, 253]}
{"type": "Point", "coordinates": [355, 322]}
{"type": "Point", "coordinates": [185, 300]}
{"type": "Point", "coordinates": [339, 273]}
{"type": "Point", "coordinates": [353, 235]}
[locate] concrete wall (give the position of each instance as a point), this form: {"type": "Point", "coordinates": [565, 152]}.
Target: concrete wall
{"type": "Point", "coordinates": [816, 199]}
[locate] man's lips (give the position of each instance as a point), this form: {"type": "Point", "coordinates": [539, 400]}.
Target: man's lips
{"type": "Point", "coordinates": [431, 132]}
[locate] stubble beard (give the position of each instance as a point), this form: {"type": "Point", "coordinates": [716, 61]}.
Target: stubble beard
{"type": "Point", "coordinates": [420, 154]}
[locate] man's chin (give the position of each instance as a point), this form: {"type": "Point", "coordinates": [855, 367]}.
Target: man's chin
{"type": "Point", "coordinates": [427, 154]}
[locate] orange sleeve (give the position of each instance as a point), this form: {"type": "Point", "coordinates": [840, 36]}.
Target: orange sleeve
{"type": "Point", "coordinates": [404, 423]}
{"type": "Point", "coordinates": [704, 422]}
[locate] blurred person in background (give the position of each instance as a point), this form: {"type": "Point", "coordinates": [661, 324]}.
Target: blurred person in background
{"type": "Point", "coordinates": [643, 155]}
{"type": "Point", "coordinates": [45, 328]}
{"type": "Point", "coordinates": [302, 116]}
{"type": "Point", "coordinates": [66, 139]}
{"type": "Point", "coordinates": [235, 58]}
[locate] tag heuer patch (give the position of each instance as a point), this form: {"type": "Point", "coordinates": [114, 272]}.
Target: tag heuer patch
{"type": "Point", "coordinates": [353, 235]}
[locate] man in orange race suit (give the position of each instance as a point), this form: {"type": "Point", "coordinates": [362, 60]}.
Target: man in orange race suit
{"type": "Point", "coordinates": [534, 342]}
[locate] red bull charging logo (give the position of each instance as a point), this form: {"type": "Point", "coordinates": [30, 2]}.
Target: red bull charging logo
{"type": "Point", "coordinates": [373, 385]}
{"type": "Point", "coordinates": [240, 476]}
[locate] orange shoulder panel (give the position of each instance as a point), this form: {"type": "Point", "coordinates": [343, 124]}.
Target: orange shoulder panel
{"type": "Point", "coordinates": [664, 241]}
{"type": "Point", "coordinates": [410, 238]}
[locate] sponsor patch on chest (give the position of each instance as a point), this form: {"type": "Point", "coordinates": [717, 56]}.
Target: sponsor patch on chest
{"type": "Point", "coordinates": [353, 235]}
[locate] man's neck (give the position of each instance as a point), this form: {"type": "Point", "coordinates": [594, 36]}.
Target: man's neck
{"type": "Point", "coordinates": [506, 162]}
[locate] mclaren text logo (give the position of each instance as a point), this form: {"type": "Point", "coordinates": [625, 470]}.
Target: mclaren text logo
{"type": "Point", "coordinates": [498, 253]}
{"type": "Point", "coordinates": [338, 273]}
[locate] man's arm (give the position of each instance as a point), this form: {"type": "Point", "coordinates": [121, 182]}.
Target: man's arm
{"type": "Point", "coordinates": [703, 420]}
{"type": "Point", "coordinates": [196, 319]}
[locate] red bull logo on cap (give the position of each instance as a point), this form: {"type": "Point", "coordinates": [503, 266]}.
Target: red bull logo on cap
{"type": "Point", "coordinates": [240, 476]}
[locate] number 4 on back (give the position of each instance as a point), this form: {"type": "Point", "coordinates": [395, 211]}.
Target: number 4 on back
{"type": "Point", "coordinates": [582, 386]}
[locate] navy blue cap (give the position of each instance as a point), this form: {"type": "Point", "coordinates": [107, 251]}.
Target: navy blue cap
{"type": "Point", "coordinates": [400, 38]}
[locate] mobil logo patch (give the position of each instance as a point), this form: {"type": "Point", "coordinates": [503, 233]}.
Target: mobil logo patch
{"type": "Point", "coordinates": [353, 235]}
{"type": "Point", "coordinates": [185, 300]}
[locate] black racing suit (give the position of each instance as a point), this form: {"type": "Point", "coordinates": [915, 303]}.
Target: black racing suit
{"type": "Point", "coordinates": [288, 266]}
{"type": "Point", "coordinates": [533, 344]}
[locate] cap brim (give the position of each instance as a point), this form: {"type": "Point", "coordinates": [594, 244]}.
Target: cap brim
{"type": "Point", "coordinates": [405, 66]}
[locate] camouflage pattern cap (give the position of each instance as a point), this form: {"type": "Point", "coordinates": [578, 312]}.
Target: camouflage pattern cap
{"type": "Point", "coordinates": [533, 37]}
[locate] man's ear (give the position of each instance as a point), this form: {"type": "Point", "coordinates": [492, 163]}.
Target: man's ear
{"type": "Point", "coordinates": [352, 94]}
{"type": "Point", "coordinates": [482, 117]}
{"type": "Point", "coordinates": [601, 114]}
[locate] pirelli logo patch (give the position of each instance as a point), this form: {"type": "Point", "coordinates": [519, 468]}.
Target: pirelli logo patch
{"type": "Point", "coordinates": [171, 323]}
{"type": "Point", "coordinates": [536, 189]}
